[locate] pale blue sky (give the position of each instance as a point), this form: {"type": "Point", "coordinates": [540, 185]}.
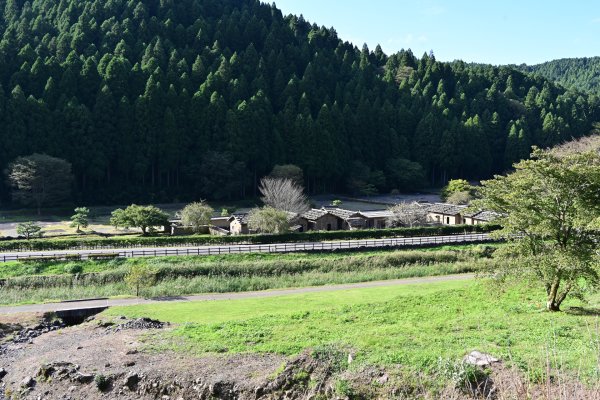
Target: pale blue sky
{"type": "Point", "coordinates": [490, 31]}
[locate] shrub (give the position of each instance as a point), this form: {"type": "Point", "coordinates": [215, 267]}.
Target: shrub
{"type": "Point", "coordinates": [140, 276]}
{"type": "Point", "coordinates": [102, 382]}
{"type": "Point", "coordinates": [73, 269]}
{"type": "Point", "coordinates": [462, 375]}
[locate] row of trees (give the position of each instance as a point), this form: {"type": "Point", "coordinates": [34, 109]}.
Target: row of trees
{"type": "Point", "coordinates": [155, 100]}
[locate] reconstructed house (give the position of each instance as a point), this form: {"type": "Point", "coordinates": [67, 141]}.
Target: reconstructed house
{"type": "Point", "coordinates": [238, 224]}
{"type": "Point", "coordinates": [445, 214]}
{"type": "Point", "coordinates": [322, 220]}
{"type": "Point", "coordinates": [376, 219]}
{"type": "Point", "coordinates": [338, 219]}
{"type": "Point", "coordinates": [478, 218]}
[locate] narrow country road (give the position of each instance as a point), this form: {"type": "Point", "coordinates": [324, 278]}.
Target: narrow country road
{"type": "Point", "coordinates": [255, 248]}
{"type": "Point", "coordinates": [104, 303]}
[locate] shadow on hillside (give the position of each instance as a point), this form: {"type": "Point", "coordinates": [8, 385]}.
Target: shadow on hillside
{"type": "Point", "coordinates": [583, 311]}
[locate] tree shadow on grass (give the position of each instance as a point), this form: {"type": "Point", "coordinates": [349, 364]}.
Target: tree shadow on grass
{"type": "Point", "coordinates": [583, 311]}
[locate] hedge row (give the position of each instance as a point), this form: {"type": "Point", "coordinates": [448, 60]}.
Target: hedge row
{"type": "Point", "coordinates": [192, 269]}
{"type": "Point", "coordinates": [200, 240]}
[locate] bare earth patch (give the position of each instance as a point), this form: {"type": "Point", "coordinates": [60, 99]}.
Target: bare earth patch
{"type": "Point", "coordinates": [66, 364]}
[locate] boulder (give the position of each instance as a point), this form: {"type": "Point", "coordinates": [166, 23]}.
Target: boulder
{"type": "Point", "coordinates": [28, 382]}
{"type": "Point", "coordinates": [480, 359]}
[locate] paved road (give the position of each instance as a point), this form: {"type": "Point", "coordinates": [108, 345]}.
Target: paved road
{"type": "Point", "coordinates": [256, 248]}
{"type": "Point", "coordinates": [78, 305]}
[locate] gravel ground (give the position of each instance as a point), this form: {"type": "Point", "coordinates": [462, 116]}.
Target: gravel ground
{"type": "Point", "coordinates": [64, 364]}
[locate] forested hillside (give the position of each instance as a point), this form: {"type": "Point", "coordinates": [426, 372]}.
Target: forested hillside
{"type": "Point", "coordinates": [582, 74]}
{"type": "Point", "coordinates": [158, 100]}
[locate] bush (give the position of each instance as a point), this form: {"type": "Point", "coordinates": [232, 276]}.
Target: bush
{"type": "Point", "coordinates": [463, 376]}
{"type": "Point", "coordinates": [73, 269]}
{"type": "Point", "coordinates": [102, 382]}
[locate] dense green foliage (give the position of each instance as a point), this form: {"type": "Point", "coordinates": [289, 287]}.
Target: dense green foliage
{"type": "Point", "coordinates": [582, 74]}
{"type": "Point", "coordinates": [199, 240]}
{"type": "Point", "coordinates": [155, 100]}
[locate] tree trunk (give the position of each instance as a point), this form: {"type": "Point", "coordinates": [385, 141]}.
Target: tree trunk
{"type": "Point", "coordinates": [552, 304]}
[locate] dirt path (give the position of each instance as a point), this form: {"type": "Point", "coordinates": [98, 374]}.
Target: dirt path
{"type": "Point", "coordinates": [39, 308]}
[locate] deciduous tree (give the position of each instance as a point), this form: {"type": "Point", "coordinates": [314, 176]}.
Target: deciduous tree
{"type": "Point", "coordinates": [147, 218]}
{"type": "Point", "coordinates": [40, 180]}
{"type": "Point", "coordinates": [140, 276]}
{"type": "Point", "coordinates": [269, 220]}
{"type": "Point", "coordinates": [284, 195]}
{"type": "Point", "coordinates": [548, 209]}
{"type": "Point", "coordinates": [197, 215]}
{"type": "Point", "coordinates": [407, 215]}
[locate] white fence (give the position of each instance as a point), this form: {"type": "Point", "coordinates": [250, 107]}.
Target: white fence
{"type": "Point", "coordinates": [254, 248]}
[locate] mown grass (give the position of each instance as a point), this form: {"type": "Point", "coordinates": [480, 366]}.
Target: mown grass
{"type": "Point", "coordinates": [415, 326]}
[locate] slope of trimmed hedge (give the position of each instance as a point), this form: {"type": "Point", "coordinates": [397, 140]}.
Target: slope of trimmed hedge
{"type": "Point", "coordinates": [200, 240]}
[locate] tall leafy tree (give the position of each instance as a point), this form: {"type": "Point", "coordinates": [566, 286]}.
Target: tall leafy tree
{"type": "Point", "coordinates": [549, 210]}
{"type": "Point", "coordinates": [40, 180]}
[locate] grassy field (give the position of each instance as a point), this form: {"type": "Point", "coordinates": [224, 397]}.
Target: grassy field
{"type": "Point", "coordinates": [42, 282]}
{"type": "Point", "coordinates": [15, 269]}
{"type": "Point", "coordinates": [422, 327]}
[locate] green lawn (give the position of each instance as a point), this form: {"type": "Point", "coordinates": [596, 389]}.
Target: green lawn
{"type": "Point", "coordinates": [412, 325]}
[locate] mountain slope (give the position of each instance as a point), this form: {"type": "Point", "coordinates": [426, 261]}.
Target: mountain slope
{"type": "Point", "coordinates": [160, 100]}
{"type": "Point", "coordinates": [581, 74]}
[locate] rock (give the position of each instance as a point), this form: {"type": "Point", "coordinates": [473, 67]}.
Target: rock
{"type": "Point", "coordinates": [129, 364]}
{"type": "Point", "coordinates": [140, 323]}
{"type": "Point", "coordinates": [383, 379]}
{"type": "Point", "coordinates": [479, 359]}
{"type": "Point", "coordinates": [131, 381]}
{"type": "Point", "coordinates": [83, 378]}
{"type": "Point", "coordinates": [130, 352]}
{"type": "Point", "coordinates": [2, 373]}
{"type": "Point", "coordinates": [28, 382]}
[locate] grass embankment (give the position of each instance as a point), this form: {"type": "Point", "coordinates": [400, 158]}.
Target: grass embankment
{"type": "Point", "coordinates": [39, 282]}
{"type": "Point", "coordinates": [416, 326]}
